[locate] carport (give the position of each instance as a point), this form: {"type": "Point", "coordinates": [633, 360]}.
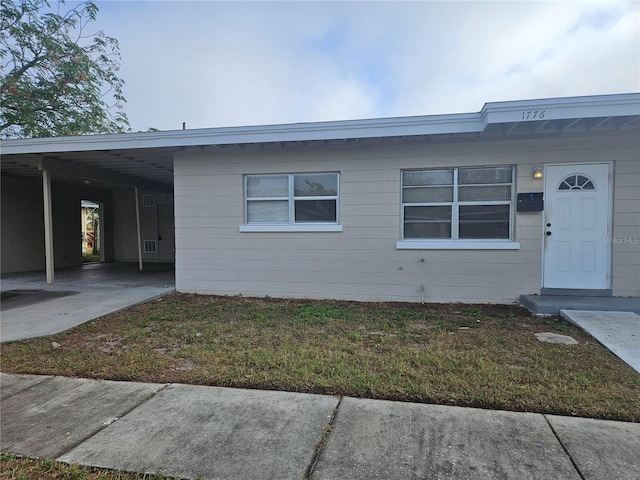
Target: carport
{"type": "Point", "coordinates": [50, 174]}
{"type": "Point", "coordinates": [41, 177]}
{"type": "Point", "coordinates": [43, 183]}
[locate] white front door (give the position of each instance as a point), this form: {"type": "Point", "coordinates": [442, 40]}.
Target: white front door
{"type": "Point", "coordinates": [576, 213]}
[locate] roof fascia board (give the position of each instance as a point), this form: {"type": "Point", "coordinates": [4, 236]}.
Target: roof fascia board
{"type": "Point", "coordinates": [562, 108]}
{"type": "Point", "coordinates": [492, 113]}
{"type": "Point", "coordinates": [375, 128]}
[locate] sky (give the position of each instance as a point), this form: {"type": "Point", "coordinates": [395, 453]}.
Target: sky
{"type": "Point", "coordinates": [218, 64]}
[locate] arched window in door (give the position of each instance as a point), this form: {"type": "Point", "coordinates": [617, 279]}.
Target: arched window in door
{"type": "Point", "coordinates": [575, 181]}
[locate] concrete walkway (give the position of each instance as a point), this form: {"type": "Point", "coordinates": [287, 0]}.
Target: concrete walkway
{"type": "Point", "coordinates": [617, 331]}
{"type": "Point", "coordinates": [31, 308]}
{"type": "Point", "coordinates": [220, 433]}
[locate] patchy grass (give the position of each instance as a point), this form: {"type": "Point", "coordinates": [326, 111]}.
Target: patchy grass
{"type": "Point", "coordinates": [469, 355]}
{"type": "Point", "coordinates": [90, 258]}
{"type": "Point", "coordinates": [18, 468]}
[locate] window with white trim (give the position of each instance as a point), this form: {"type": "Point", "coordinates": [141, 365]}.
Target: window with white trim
{"type": "Point", "coordinates": [458, 204]}
{"type": "Point", "coordinates": [291, 199]}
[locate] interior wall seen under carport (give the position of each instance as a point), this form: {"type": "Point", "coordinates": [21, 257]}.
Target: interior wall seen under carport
{"type": "Point", "coordinates": [126, 232]}
{"type": "Point", "coordinates": [22, 223]}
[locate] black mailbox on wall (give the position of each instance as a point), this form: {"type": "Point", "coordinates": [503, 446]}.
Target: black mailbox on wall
{"type": "Point", "coordinates": [530, 202]}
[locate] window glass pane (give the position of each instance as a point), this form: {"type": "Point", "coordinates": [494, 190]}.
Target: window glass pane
{"type": "Point", "coordinates": [484, 221]}
{"type": "Point", "coordinates": [576, 182]}
{"type": "Point", "coordinates": [571, 181]}
{"type": "Point", "coordinates": [267, 186]}
{"type": "Point", "coordinates": [484, 175]}
{"type": "Point", "coordinates": [427, 230]}
{"type": "Point", "coordinates": [268, 211]}
{"type": "Point", "coordinates": [488, 230]}
{"type": "Point", "coordinates": [315, 211]}
{"type": "Point", "coordinates": [427, 194]}
{"type": "Point", "coordinates": [470, 213]}
{"type": "Point", "coordinates": [427, 213]}
{"type": "Point", "coordinates": [480, 193]}
{"type": "Point", "coordinates": [585, 183]}
{"type": "Point", "coordinates": [427, 177]}
{"type": "Point", "coordinates": [313, 185]}
{"type": "Point", "coordinates": [427, 222]}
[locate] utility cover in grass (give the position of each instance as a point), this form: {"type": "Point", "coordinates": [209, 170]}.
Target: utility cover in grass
{"type": "Point", "coordinates": [556, 338]}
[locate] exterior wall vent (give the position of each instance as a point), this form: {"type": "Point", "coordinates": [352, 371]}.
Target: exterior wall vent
{"type": "Point", "coordinates": [148, 200]}
{"type": "Point", "coordinates": [150, 246]}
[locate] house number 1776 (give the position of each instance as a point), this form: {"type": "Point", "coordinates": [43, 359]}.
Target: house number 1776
{"type": "Point", "coordinates": [533, 115]}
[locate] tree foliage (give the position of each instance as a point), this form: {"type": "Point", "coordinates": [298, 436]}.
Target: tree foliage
{"type": "Point", "coordinates": [57, 78]}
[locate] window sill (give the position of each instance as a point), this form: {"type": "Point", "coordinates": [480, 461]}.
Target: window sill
{"type": "Point", "coordinates": [457, 245]}
{"type": "Point", "coordinates": [303, 227]}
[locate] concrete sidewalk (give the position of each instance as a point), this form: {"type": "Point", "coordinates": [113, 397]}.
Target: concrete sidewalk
{"type": "Point", "coordinates": [221, 433]}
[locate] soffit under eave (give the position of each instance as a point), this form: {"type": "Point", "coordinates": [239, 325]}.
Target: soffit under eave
{"type": "Point", "coordinates": [101, 174]}
{"type": "Point", "coordinates": [564, 126]}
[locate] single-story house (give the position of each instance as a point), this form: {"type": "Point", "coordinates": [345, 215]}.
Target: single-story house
{"type": "Point", "coordinates": [523, 197]}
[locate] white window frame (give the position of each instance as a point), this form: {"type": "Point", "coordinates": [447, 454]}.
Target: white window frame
{"type": "Point", "coordinates": [455, 243]}
{"type": "Point", "coordinates": [291, 225]}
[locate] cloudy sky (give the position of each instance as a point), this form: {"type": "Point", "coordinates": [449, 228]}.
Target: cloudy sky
{"type": "Point", "coordinates": [213, 64]}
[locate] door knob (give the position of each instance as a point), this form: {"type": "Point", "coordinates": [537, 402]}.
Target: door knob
{"type": "Point", "coordinates": [548, 233]}
{"type": "Point", "coordinates": [548, 224]}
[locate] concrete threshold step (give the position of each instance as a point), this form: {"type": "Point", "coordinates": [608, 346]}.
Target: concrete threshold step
{"type": "Point", "coordinates": [552, 304]}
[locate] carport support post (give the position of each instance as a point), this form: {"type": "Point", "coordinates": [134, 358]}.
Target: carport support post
{"type": "Point", "coordinates": [48, 226]}
{"type": "Point", "coordinates": [138, 227]}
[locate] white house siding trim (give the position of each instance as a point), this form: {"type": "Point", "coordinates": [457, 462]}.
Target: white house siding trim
{"type": "Point", "coordinates": [362, 262]}
{"type": "Point", "coordinates": [457, 245]}
{"type": "Point", "coordinates": [625, 240]}
{"type": "Point", "coordinates": [292, 228]}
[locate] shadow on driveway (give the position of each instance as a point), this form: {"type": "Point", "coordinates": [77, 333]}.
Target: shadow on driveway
{"type": "Point", "coordinates": [31, 308]}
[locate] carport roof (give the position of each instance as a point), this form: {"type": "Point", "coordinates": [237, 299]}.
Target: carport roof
{"type": "Point", "coordinates": [146, 159]}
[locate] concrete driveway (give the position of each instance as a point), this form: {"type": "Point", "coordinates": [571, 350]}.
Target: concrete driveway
{"type": "Point", "coordinates": [31, 308]}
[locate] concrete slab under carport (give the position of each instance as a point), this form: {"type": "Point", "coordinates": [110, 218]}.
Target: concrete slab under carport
{"type": "Point", "coordinates": [49, 416]}
{"type": "Point", "coordinates": [373, 439]}
{"type": "Point", "coordinates": [214, 433]}
{"type": "Point", "coordinates": [32, 308]}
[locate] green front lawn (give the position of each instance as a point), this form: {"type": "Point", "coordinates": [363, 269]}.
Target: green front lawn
{"type": "Point", "coordinates": [455, 354]}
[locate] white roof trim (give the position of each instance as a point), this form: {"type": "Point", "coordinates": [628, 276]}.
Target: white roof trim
{"type": "Point", "coordinates": [562, 108]}
{"type": "Point", "coordinates": [492, 113]}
